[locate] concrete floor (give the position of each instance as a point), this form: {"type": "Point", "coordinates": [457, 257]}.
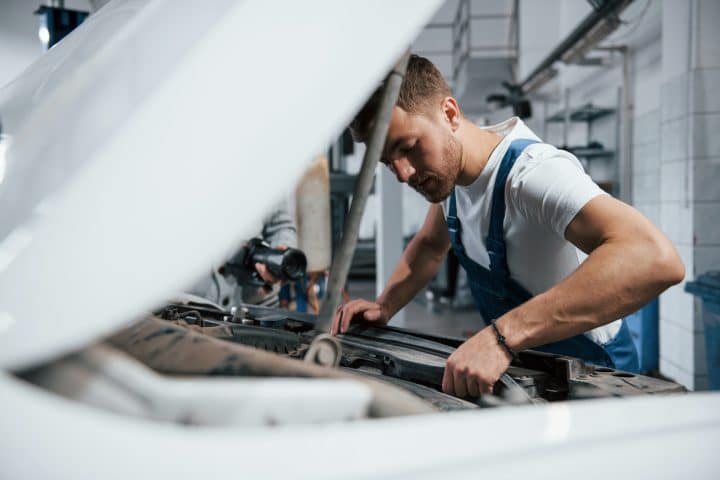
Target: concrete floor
{"type": "Point", "coordinates": [423, 316]}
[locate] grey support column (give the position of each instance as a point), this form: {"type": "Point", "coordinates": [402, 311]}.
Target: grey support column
{"type": "Point", "coordinates": [389, 233]}
{"type": "Point", "coordinates": [343, 257]}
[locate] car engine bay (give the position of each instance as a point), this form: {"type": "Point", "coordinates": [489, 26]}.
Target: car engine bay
{"type": "Point", "coordinates": [402, 368]}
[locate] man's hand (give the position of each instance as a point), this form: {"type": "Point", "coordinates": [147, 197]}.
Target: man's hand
{"type": "Point", "coordinates": [475, 366]}
{"type": "Point", "coordinates": [356, 310]}
{"type": "Point", "coordinates": [265, 274]}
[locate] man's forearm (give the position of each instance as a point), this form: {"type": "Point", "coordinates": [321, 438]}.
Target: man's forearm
{"type": "Point", "coordinates": [616, 279]}
{"type": "Point", "coordinates": [417, 266]}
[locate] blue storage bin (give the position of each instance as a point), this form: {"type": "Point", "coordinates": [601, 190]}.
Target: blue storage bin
{"type": "Point", "coordinates": [643, 326]}
{"type": "Point", "coordinates": [707, 287]}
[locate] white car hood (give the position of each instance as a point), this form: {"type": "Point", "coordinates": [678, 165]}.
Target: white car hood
{"type": "Point", "coordinates": [135, 153]}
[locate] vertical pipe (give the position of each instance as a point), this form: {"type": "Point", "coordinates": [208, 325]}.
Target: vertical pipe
{"type": "Point", "coordinates": [343, 258]}
{"type": "Point", "coordinates": [566, 122]}
{"type": "Point", "coordinates": [389, 232]}
{"type": "Point", "coordinates": [627, 107]}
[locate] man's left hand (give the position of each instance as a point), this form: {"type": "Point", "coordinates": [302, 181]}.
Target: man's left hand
{"type": "Point", "coordinates": [475, 366]}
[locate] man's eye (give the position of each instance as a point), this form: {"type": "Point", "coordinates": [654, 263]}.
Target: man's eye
{"type": "Point", "coordinates": [410, 148]}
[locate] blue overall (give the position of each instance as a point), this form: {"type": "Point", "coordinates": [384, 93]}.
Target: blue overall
{"type": "Point", "coordinates": [495, 292]}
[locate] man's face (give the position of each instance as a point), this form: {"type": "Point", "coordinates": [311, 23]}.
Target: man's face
{"type": "Point", "coordinates": [422, 151]}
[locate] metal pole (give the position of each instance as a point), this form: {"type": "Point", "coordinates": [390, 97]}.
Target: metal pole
{"type": "Point", "coordinates": [343, 258]}
{"type": "Point", "coordinates": [626, 121]}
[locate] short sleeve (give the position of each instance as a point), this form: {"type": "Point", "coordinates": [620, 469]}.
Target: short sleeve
{"type": "Point", "coordinates": [551, 187]}
{"type": "Point", "coordinates": [279, 227]}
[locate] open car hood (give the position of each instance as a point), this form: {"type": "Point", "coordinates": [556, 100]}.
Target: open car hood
{"type": "Point", "coordinates": [139, 150]}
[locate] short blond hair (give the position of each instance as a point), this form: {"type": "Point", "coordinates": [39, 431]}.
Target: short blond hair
{"type": "Point", "coordinates": [422, 84]}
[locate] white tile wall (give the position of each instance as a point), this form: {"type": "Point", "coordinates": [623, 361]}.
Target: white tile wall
{"type": "Point", "coordinates": [706, 179]}
{"type": "Point", "coordinates": [686, 379]}
{"type": "Point", "coordinates": [676, 221]}
{"type": "Point", "coordinates": [705, 90]}
{"type": "Point", "coordinates": [679, 346]}
{"type": "Point", "coordinates": [669, 369]}
{"type": "Point", "coordinates": [674, 98]}
{"type": "Point", "coordinates": [651, 211]}
{"type": "Point", "coordinates": [683, 377]}
{"type": "Point", "coordinates": [706, 141]}
{"type": "Point", "coordinates": [674, 140]}
{"type": "Point", "coordinates": [674, 182]}
{"type": "Point", "coordinates": [707, 223]}
{"type": "Point", "coordinates": [646, 157]}
{"type": "Point", "coordinates": [676, 307]}
{"type": "Point", "coordinates": [646, 187]}
{"type": "Point", "coordinates": [708, 35]}
{"type": "Point", "coordinates": [690, 174]}
{"type": "Point", "coordinates": [648, 77]}
{"type": "Point", "coordinates": [646, 128]}
{"type": "Point", "coordinates": [675, 38]}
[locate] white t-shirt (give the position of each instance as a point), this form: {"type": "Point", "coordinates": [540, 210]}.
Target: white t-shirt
{"type": "Point", "coordinates": [545, 189]}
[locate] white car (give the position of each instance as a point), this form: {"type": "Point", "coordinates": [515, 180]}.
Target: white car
{"type": "Point", "coordinates": [128, 154]}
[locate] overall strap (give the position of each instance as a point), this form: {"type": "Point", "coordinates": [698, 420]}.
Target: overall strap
{"type": "Point", "coordinates": [453, 224]}
{"type": "Point", "coordinates": [495, 241]}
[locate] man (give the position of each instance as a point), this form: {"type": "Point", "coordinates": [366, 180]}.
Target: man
{"type": "Point", "coordinates": [553, 262]}
{"type": "Point", "coordinates": [277, 229]}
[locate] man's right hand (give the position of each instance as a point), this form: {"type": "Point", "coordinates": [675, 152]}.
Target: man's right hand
{"type": "Point", "coordinates": [358, 310]}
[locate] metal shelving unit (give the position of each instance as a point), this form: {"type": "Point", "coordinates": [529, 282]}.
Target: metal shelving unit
{"type": "Point", "coordinates": [588, 114]}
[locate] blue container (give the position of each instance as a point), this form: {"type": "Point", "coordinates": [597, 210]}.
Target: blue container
{"type": "Point", "coordinates": [707, 287]}
{"type": "Point", "coordinates": [643, 326]}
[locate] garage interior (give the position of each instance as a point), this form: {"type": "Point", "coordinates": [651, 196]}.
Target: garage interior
{"type": "Point", "coordinates": [631, 88]}
{"type": "Point", "coordinates": [633, 94]}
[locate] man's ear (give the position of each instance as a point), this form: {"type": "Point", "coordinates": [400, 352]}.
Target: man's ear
{"type": "Point", "coordinates": [451, 112]}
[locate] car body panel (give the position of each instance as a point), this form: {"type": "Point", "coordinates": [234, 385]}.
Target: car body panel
{"type": "Point", "coordinates": [116, 169]}
{"type": "Point", "coordinates": [638, 437]}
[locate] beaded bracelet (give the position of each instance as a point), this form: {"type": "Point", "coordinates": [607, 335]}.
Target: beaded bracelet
{"type": "Point", "coordinates": [501, 341]}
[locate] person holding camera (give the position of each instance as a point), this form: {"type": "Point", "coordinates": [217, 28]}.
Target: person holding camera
{"type": "Point", "coordinates": [229, 287]}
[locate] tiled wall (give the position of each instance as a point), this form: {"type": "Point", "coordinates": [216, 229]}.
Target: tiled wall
{"type": "Point", "coordinates": [689, 176]}
{"type": "Point", "coordinates": [681, 340]}
{"type": "Point", "coordinates": [676, 161]}
{"type": "Point", "coordinates": [646, 166]}
{"type": "Point", "coordinates": [705, 98]}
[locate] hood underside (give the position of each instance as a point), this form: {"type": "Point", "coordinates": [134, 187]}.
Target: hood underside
{"type": "Point", "coordinates": [138, 149]}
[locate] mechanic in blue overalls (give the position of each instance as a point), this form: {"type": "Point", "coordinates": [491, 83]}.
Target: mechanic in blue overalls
{"type": "Point", "coordinates": [553, 262]}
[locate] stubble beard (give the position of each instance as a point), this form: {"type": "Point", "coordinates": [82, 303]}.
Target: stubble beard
{"type": "Point", "coordinates": [442, 183]}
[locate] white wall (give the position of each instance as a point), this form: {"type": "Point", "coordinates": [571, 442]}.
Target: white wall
{"type": "Point", "coordinates": [675, 48]}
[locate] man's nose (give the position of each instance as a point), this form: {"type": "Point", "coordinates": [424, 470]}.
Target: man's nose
{"type": "Point", "coordinates": [403, 170]}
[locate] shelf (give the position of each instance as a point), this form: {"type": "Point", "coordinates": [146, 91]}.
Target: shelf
{"type": "Point", "coordinates": [592, 153]}
{"type": "Point", "coordinates": [585, 113]}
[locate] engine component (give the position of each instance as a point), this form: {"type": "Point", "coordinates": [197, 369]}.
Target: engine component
{"type": "Point", "coordinates": [417, 359]}
{"type": "Point", "coordinates": [172, 349]}
{"type": "Point", "coordinates": [324, 350]}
